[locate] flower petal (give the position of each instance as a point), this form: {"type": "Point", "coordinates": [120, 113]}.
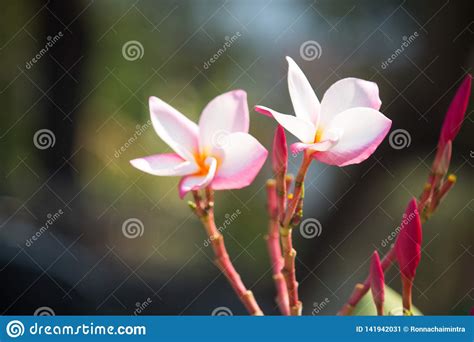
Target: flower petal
{"type": "Point", "coordinates": [362, 131]}
{"type": "Point", "coordinates": [180, 133]}
{"type": "Point", "coordinates": [348, 93]}
{"type": "Point", "coordinates": [169, 164]}
{"type": "Point", "coordinates": [227, 113]}
{"type": "Point", "coordinates": [242, 159]}
{"type": "Point", "coordinates": [330, 139]}
{"type": "Point", "coordinates": [305, 102]}
{"type": "Point", "coordinates": [197, 181]}
{"type": "Point", "coordinates": [319, 146]}
{"type": "Point", "coordinates": [302, 129]}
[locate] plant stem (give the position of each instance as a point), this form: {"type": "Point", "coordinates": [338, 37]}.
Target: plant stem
{"type": "Point", "coordinates": [289, 253]}
{"type": "Point", "coordinates": [290, 211]}
{"type": "Point", "coordinates": [379, 307]}
{"type": "Point", "coordinates": [274, 249]}
{"type": "Point", "coordinates": [205, 211]}
{"type": "Point", "coordinates": [407, 284]}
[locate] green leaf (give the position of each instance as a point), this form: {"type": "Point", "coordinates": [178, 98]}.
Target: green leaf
{"type": "Point", "coordinates": [392, 305]}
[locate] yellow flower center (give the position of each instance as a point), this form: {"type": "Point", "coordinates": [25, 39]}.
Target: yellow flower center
{"type": "Point", "coordinates": [318, 135]}
{"type": "Point", "coordinates": [201, 162]}
{"type": "Point", "coordinates": [204, 167]}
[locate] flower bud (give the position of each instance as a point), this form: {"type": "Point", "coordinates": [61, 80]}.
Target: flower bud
{"type": "Point", "coordinates": [455, 115]}
{"type": "Point", "coordinates": [280, 151]}
{"type": "Point", "coordinates": [377, 282]}
{"type": "Point", "coordinates": [408, 243]}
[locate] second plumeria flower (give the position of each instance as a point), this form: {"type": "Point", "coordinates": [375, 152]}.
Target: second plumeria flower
{"type": "Point", "coordinates": [344, 129]}
{"type": "Point", "coordinates": [218, 152]}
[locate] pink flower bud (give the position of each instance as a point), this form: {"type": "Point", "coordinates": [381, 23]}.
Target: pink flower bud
{"type": "Point", "coordinates": [377, 280]}
{"type": "Point", "coordinates": [280, 151]}
{"type": "Point", "coordinates": [445, 158]}
{"type": "Point", "coordinates": [408, 244]}
{"type": "Point", "coordinates": [441, 163]}
{"type": "Point", "coordinates": [457, 109]}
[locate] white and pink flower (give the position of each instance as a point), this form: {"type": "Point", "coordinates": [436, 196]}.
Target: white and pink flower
{"type": "Point", "coordinates": [344, 129]}
{"type": "Point", "coordinates": [218, 152]}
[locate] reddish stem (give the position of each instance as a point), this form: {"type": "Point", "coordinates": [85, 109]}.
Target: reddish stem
{"type": "Point", "coordinates": [205, 211]}
{"type": "Point", "coordinates": [407, 284]}
{"type": "Point", "coordinates": [289, 253]}
{"type": "Point", "coordinates": [273, 243]}
{"type": "Point", "coordinates": [290, 211]}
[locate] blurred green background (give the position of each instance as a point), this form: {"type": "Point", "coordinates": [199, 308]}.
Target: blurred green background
{"type": "Point", "coordinates": [91, 95]}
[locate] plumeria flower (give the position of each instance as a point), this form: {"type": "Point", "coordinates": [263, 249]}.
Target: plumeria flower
{"type": "Point", "coordinates": [218, 152]}
{"type": "Point", "coordinates": [344, 129]}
